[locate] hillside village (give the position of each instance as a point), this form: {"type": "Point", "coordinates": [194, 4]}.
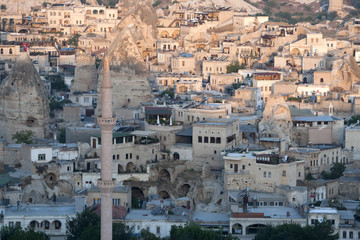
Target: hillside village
{"type": "Point", "coordinates": [224, 117]}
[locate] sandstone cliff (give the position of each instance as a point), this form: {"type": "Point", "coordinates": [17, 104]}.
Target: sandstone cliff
{"type": "Point", "coordinates": [23, 101]}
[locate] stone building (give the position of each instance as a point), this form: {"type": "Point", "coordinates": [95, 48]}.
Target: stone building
{"type": "Point", "coordinates": [265, 81]}
{"type": "Point", "coordinates": [211, 137]}
{"type": "Point", "coordinates": [23, 101]}
{"type": "Point", "coordinates": [262, 172]}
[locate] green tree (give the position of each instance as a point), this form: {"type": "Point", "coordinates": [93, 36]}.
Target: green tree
{"type": "Point", "coordinates": [62, 135]}
{"type": "Point", "coordinates": [17, 233]}
{"type": "Point", "coordinates": [86, 226]}
{"type": "Point", "coordinates": [195, 232]}
{"type": "Point", "coordinates": [336, 171]}
{"type": "Point", "coordinates": [293, 231]}
{"type": "Point", "coordinates": [234, 67]}
{"type": "Point", "coordinates": [86, 223]}
{"type": "Point", "coordinates": [146, 235]}
{"type": "Point", "coordinates": [170, 92]}
{"type": "Point", "coordinates": [23, 136]}
{"type": "Point", "coordinates": [74, 40]}
{"type": "Point", "coordinates": [353, 119]}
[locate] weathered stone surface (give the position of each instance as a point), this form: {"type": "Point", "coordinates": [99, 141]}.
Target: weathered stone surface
{"type": "Point", "coordinates": [23, 102]}
{"type": "Point", "coordinates": [85, 74]}
{"type": "Point", "coordinates": [134, 35]}
{"type": "Point", "coordinates": [346, 71]}
{"type": "Point", "coordinates": [276, 120]}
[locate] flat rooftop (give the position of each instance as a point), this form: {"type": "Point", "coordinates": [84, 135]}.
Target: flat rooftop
{"type": "Point", "coordinates": [41, 210]}
{"type": "Point", "coordinates": [210, 217]}
{"type": "Point", "coordinates": [276, 212]}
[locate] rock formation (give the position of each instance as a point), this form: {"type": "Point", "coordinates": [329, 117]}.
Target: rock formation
{"type": "Point", "coordinates": [127, 54]}
{"type": "Point", "coordinates": [23, 101]}
{"type": "Point", "coordinates": [346, 71]}
{"type": "Point", "coordinates": [85, 74]}
{"type": "Point", "coordinates": [276, 120]}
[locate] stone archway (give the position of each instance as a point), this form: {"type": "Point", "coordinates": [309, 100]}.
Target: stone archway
{"type": "Point", "coordinates": [23, 31]}
{"type": "Point", "coordinates": [120, 169]}
{"type": "Point", "coordinates": [56, 225]}
{"type": "Point", "coordinates": [236, 228]}
{"type": "Point", "coordinates": [34, 224]}
{"type": "Point", "coordinates": [50, 178]}
{"type": "Point", "coordinates": [185, 189]}
{"type": "Point", "coordinates": [137, 197]}
{"type": "Point", "coordinates": [254, 228]}
{"type": "Point", "coordinates": [295, 52]}
{"type": "Point", "coordinates": [45, 225]}
{"type": "Point", "coordinates": [164, 34]}
{"type": "Point", "coordinates": [176, 156]}
{"type": "Point", "coordinates": [164, 195]}
{"type": "Point", "coordinates": [130, 167]}
{"type": "Point", "coordinates": [164, 175]}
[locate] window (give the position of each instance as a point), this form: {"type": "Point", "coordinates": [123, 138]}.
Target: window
{"type": "Point", "coordinates": [137, 157]}
{"type": "Point", "coordinates": [231, 166]}
{"type": "Point", "coordinates": [269, 174]}
{"type": "Point", "coordinates": [18, 224]}
{"type": "Point", "coordinates": [344, 234]}
{"type": "Point", "coordinates": [284, 173]}
{"type": "Point", "coordinates": [11, 224]}
{"type": "Point", "coordinates": [130, 155]}
{"type": "Point", "coordinates": [299, 174]}
{"type": "Point", "coordinates": [57, 225]}
{"type": "Point", "coordinates": [243, 167]}
{"type": "Point", "coordinates": [199, 139]}
{"type": "Point", "coordinates": [206, 139]}
{"type": "Point", "coordinates": [86, 99]}
{"type": "Point", "coordinates": [321, 80]}
{"type": "Point", "coordinates": [117, 156]}
{"type": "Point", "coordinates": [264, 174]}
{"type": "Point", "coordinates": [41, 156]}
{"type": "Point", "coordinates": [281, 204]}
{"type": "Point", "coordinates": [127, 156]}
{"type": "Point", "coordinates": [271, 203]}
{"type": "Point", "coordinates": [113, 157]}
{"type": "Point", "coordinates": [183, 63]}
{"type": "Point", "coordinates": [157, 230]}
{"type": "Point", "coordinates": [10, 51]}
{"type": "Point", "coordinates": [218, 140]}
{"type": "Point", "coordinates": [212, 140]}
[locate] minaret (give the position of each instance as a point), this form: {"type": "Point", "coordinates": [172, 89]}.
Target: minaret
{"type": "Point", "coordinates": [106, 184]}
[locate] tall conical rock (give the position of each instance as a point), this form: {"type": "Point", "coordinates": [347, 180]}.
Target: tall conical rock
{"type": "Point", "coordinates": [128, 52]}
{"type": "Point", "coordinates": [24, 103]}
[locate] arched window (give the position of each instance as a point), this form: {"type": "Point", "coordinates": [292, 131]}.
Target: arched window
{"type": "Point", "coordinates": [1, 51]}
{"type": "Point", "coordinates": [10, 51]}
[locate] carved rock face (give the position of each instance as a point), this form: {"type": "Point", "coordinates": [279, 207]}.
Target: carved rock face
{"type": "Point", "coordinates": [23, 101]}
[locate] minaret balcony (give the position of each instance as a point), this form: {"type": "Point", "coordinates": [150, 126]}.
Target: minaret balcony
{"type": "Point", "coordinates": [106, 121]}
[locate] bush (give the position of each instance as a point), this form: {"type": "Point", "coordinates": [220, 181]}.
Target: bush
{"type": "Point", "coordinates": [157, 3]}
{"type": "Point", "coordinates": [234, 67]}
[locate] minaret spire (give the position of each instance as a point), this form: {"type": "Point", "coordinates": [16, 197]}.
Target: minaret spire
{"type": "Point", "coordinates": [106, 122]}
